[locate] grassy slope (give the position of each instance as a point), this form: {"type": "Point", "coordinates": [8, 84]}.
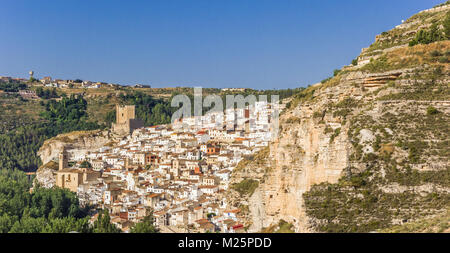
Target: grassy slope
{"type": "Point", "coordinates": [438, 224]}
{"type": "Point", "coordinates": [358, 203]}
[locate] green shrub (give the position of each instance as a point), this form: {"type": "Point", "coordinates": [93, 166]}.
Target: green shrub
{"type": "Point", "coordinates": [447, 25]}
{"type": "Point", "coordinates": [326, 80]}
{"type": "Point", "coordinates": [284, 227]}
{"type": "Point", "coordinates": [318, 114]}
{"type": "Point", "coordinates": [435, 53]}
{"type": "Point", "coordinates": [377, 65]}
{"type": "Point", "coordinates": [246, 186]}
{"type": "Point", "coordinates": [85, 164]}
{"type": "Point", "coordinates": [443, 59]}
{"type": "Point", "coordinates": [336, 72]}
{"type": "Point", "coordinates": [431, 110]}
{"type": "Point", "coordinates": [337, 131]}
{"type": "Point", "coordinates": [427, 36]}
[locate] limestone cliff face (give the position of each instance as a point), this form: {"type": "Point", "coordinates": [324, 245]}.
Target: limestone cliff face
{"type": "Point", "coordinates": [75, 143]}
{"type": "Point", "coordinates": [45, 175]}
{"type": "Point", "coordinates": [348, 125]}
{"type": "Point", "coordinates": [298, 165]}
{"type": "Point", "coordinates": [305, 154]}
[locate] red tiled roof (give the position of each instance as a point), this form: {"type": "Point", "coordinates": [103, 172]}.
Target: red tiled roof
{"type": "Point", "coordinates": [237, 226]}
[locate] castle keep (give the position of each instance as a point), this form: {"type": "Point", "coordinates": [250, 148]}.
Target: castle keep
{"type": "Point", "coordinates": [125, 120]}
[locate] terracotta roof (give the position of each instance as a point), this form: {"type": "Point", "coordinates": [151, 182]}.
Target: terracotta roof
{"type": "Point", "coordinates": [201, 221]}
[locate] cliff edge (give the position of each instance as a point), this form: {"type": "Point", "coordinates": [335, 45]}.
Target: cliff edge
{"type": "Point", "coordinates": [366, 149]}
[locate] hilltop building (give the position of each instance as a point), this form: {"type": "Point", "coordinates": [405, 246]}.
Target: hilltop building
{"type": "Point", "coordinates": [46, 80]}
{"type": "Point", "coordinates": [126, 122]}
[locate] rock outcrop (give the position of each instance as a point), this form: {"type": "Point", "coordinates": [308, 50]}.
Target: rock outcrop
{"type": "Point", "coordinates": [75, 143]}
{"type": "Point", "coordinates": [355, 137]}
{"type": "Point", "coordinates": [45, 175]}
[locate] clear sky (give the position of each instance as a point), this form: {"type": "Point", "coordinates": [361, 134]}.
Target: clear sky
{"type": "Point", "coordinates": [262, 44]}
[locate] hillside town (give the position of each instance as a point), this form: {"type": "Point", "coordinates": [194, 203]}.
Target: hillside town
{"type": "Point", "coordinates": [178, 172]}
{"type": "Point", "coordinates": [48, 81]}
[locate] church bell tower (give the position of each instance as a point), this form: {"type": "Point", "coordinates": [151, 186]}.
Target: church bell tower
{"type": "Point", "coordinates": [63, 161]}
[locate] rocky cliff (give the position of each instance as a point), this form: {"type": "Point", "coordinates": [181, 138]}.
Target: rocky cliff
{"type": "Point", "coordinates": [364, 150]}
{"type": "Point", "coordinates": [75, 143]}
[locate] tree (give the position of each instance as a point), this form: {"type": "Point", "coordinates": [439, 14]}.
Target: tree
{"type": "Point", "coordinates": [6, 223]}
{"type": "Point", "coordinates": [53, 93]}
{"type": "Point", "coordinates": [103, 223]}
{"type": "Point", "coordinates": [435, 34]}
{"type": "Point", "coordinates": [86, 165]}
{"type": "Point", "coordinates": [28, 225]}
{"type": "Point", "coordinates": [447, 25]}
{"type": "Point", "coordinates": [146, 226]}
{"type": "Point", "coordinates": [43, 210]}
{"type": "Point", "coordinates": [68, 224]}
{"type": "Point", "coordinates": [46, 93]}
{"type": "Point", "coordinates": [12, 86]}
{"type": "Point", "coordinates": [427, 36]}
{"type": "Point", "coordinates": [110, 117]}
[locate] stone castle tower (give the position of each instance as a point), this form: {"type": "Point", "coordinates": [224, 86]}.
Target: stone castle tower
{"type": "Point", "coordinates": [125, 120]}
{"type": "Point", "coordinates": [63, 160]}
{"type": "Point", "coordinates": [124, 113]}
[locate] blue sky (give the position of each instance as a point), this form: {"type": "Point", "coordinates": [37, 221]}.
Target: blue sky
{"type": "Point", "coordinates": [262, 44]}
